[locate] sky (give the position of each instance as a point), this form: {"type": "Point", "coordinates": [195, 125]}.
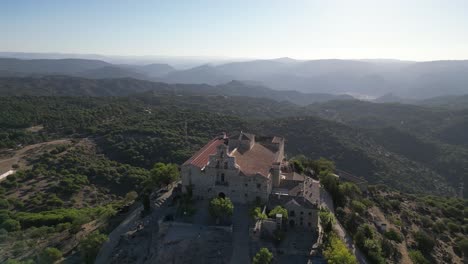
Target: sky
{"type": "Point", "coordinates": [302, 29]}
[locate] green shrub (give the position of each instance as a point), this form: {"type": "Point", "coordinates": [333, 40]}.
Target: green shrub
{"type": "Point", "coordinates": [425, 242]}
{"type": "Point", "coordinates": [392, 234]}
{"type": "Point", "coordinates": [90, 246]}
{"type": "Point", "coordinates": [256, 213]}
{"type": "Point", "coordinates": [426, 221]}
{"type": "Point", "coordinates": [358, 207]}
{"type": "Point", "coordinates": [278, 210]}
{"type": "Point", "coordinates": [417, 257]}
{"type": "Point", "coordinates": [452, 227]}
{"type": "Point", "coordinates": [49, 255]}
{"type": "Point", "coordinates": [263, 256]}
{"type": "Point", "coordinates": [11, 225]}
{"type": "Point", "coordinates": [54, 201]}
{"type": "Point", "coordinates": [439, 226]}
{"type": "Point", "coordinates": [4, 204]}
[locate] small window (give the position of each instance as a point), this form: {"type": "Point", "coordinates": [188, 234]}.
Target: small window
{"type": "Point", "coordinates": [225, 165]}
{"type": "Point", "coordinates": [222, 177]}
{"type": "Point", "coordinates": [259, 185]}
{"type": "Point", "coordinates": [292, 213]}
{"type": "Point", "coordinates": [222, 154]}
{"type": "Point", "coordinates": [217, 164]}
{"type": "Point", "coordinates": [302, 213]}
{"type": "Point", "coordinates": [309, 224]}
{"type": "Point", "coordinates": [246, 185]}
{"type": "Point", "coordinates": [246, 195]}
{"type": "Point", "coordinates": [310, 213]}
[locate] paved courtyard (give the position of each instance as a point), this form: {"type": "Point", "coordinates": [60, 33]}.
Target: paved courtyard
{"type": "Point", "coordinates": [240, 235]}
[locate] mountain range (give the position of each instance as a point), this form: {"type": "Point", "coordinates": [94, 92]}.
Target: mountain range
{"type": "Point", "coordinates": [78, 86]}
{"type": "Point", "coordinates": [359, 78]}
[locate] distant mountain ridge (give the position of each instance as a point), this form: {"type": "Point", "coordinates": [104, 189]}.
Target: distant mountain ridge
{"type": "Point", "coordinates": [367, 78]}
{"type": "Point", "coordinates": [77, 86]}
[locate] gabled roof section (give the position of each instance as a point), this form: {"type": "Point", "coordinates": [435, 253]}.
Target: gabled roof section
{"type": "Point", "coordinates": [256, 160]}
{"type": "Point", "coordinates": [201, 158]}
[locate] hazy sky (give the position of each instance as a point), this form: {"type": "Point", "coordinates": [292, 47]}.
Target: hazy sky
{"type": "Point", "coordinates": [307, 29]}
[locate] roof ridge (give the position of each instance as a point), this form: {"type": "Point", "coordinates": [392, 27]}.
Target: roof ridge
{"type": "Point", "coordinates": [201, 151]}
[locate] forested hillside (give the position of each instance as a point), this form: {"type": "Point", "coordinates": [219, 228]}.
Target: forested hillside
{"type": "Point", "coordinates": [146, 128]}
{"type": "Point", "coordinates": [121, 85]}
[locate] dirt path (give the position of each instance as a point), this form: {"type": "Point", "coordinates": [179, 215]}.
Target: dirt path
{"type": "Point", "coordinates": [18, 156]}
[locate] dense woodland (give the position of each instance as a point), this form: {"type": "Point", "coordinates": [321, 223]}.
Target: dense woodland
{"type": "Point", "coordinates": [144, 129]}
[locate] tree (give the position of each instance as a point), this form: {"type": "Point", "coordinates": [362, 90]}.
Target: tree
{"type": "Point", "coordinates": [49, 255]}
{"type": "Point", "coordinates": [278, 210]}
{"type": "Point", "coordinates": [331, 183]}
{"type": "Point", "coordinates": [257, 213]}
{"type": "Point", "coordinates": [163, 174]}
{"type": "Point", "coordinates": [327, 219]}
{"type": "Point", "coordinates": [90, 246]}
{"type": "Point", "coordinates": [336, 252]}
{"type": "Point", "coordinates": [323, 165]}
{"type": "Point", "coordinates": [298, 167]}
{"type": "Point", "coordinates": [263, 256]}
{"type": "Point", "coordinates": [221, 207]}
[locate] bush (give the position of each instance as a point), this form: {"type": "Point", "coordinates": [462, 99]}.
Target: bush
{"type": "Point", "coordinates": [54, 201]}
{"type": "Point", "coordinates": [90, 246]}
{"type": "Point", "coordinates": [278, 210]}
{"type": "Point", "coordinates": [463, 245]}
{"type": "Point", "coordinates": [439, 226]}
{"type": "Point", "coordinates": [263, 256]}
{"type": "Point", "coordinates": [11, 225]}
{"type": "Point", "coordinates": [49, 255]}
{"type": "Point", "coordinates": [256, 213]}
{"type": "Point", "coordinates": [425, 242]}
{"type": "Point", "coordinates": [221, 207]}
{"type": "Point", "coordinates": [358, 207]}
{"type": "Point", "coordinates": [392, 234]}
{"type": "Point", "coordinates": [4, 204]}
{"type": "Point", "coordinates": [426, 221]}
{"type": "Point", "coordinates": [417, 257]}
{"type": "Point", "coordinates": [452, 227]}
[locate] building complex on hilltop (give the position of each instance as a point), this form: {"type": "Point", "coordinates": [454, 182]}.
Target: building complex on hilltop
{"type": "Point", "coordinates": [246, 169]}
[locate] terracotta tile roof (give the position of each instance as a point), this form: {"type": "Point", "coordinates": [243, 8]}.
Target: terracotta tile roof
{"type": "Point", "coordinates": [307, 188]}
{"type": "Point", "coordinates": [200, 159]}
{"type": "Point", "coordinates": [258, 159]}
{"type": "Point", "coordinates": [283, 200]}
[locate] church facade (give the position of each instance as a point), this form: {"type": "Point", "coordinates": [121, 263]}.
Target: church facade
{"type": "Point", "coordinates": [243, 168]}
